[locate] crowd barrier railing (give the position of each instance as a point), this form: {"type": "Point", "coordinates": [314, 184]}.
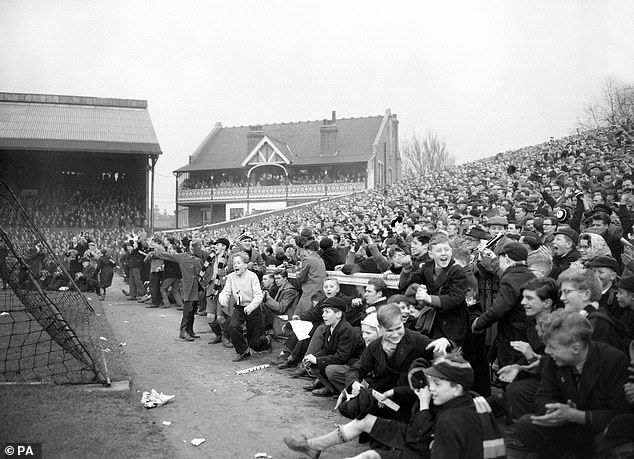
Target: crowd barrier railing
{"type": "Point", "coordinates": [357, 279]}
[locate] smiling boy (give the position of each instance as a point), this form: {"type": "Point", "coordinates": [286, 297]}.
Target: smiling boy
{"type": "Point", "coordinates": [580, 391]}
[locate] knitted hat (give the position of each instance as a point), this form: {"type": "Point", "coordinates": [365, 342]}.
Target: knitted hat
{"type": "Point", "coordinates": [452, 368]}
{"type": "Point", "coordinates": [370, 321]}
{"type": "Point", "coordinates": [515, 251]}
{"type": "Point", "coordinates": [245, 236]}
{"type": "Point", "coordinates": [562, 215]}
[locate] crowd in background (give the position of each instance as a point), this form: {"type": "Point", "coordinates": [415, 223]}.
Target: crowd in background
{"type": "Point", "coordinates": [80, 204]}
{"type": "Point", "coordinates": [524, 261]}
{"type": "Point", "coordinates": [272, 178]}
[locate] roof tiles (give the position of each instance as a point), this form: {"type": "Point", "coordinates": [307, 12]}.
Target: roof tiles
{"type": "Point", "coordinates": [227, 148]}
{"type": "Point", "coordinates": [27, 124]}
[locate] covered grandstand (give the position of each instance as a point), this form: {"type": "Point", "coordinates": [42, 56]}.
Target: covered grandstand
{"type": "Point", "coordinates": [61, 151]}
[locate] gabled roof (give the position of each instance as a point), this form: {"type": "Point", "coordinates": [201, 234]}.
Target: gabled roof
{"type": "Point", "coordinates": [226, 148]}
{"type": "Point", "coordinates": [279, 150]}
{"type": "Point", "coordinates": [51, 122]}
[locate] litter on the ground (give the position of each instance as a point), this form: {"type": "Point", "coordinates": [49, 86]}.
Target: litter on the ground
{"type": "Point", "coordinates": [154, 399]}
{"type": "Point", "coordinates": [122, 344]}
{"type": "Point", "coordinates": [249, 370]}
{"type": "Point", "coordinates": [197, 441]}
{"type": "Point", "coordinates": [162, 316]}
{"type": "Point", "coordinates": [102, 338]}
{"type": "Point", "coordinates": [262, 456]}
{"type": "Point", "coordinates": [126, 321]}
{"type": "Point", "coordinates": [167, 423]}
{"type": "Point", "coordinates": [4, 313]}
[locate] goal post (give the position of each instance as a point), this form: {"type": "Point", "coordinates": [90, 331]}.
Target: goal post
{"type": "Point", "coordinates": [47, 328]}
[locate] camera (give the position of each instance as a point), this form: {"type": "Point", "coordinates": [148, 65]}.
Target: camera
{"type": "Point", "coordinates": [417, 379]}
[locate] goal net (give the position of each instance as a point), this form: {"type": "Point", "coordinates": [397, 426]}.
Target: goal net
{"type": "Point", "coordinates": [48, 329]}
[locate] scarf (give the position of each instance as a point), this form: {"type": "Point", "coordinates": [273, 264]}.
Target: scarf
{"type": "Point", "coordinates": [492, 439]}
{"type": "Point", "coordinates": [206, 273]}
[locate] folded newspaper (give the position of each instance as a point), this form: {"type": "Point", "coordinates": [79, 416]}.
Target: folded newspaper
{"type": "Point", "coordinates": [301, 328]}
{"type": "Point", "coordinates": [154, 399]}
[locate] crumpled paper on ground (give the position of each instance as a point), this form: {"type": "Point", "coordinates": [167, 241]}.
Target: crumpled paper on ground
{"type": "Point", "coordinates": [154, 399]}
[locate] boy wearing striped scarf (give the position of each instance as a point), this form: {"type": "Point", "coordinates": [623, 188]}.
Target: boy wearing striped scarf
{"type": "Point", "coordinates": [212, 278]}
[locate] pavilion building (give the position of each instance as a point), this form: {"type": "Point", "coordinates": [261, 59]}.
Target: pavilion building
{"type": "Point", "coordinates": [238, 171]}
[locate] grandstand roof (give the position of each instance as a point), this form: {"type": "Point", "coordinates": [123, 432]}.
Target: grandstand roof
{"type": "Point", "coordinates": [227, 147]}
{"type": "Point", "coordinates": [72, 123]}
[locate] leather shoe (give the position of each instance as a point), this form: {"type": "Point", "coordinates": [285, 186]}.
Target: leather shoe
{"type": "Point", "coordinates": [323, 392]}
{"type": "Point", "coordinates": [241, 357]}
{"type": "Point", "coordinates": [298, 372]}
{"type": "Point", "coordinates": [314, 386]}
{"type": "Point", "coordinates": [289, 363]}
{"type": "Point", "coordinates": [301, 446]}
{"type": "Point", "coordinates": [186, 337]}
{"type": "Point", "coordinates": [226, 342]}
{"type": "Point", "coordinates": [192, 334]}
{"type": "Point", "coordinates": [215, 340]}
{"type": "Point", "coordinates": [281, 358]}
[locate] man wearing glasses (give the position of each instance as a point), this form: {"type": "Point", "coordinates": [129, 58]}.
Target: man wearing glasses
{"type": "Point", "coordinates": [549, 227]}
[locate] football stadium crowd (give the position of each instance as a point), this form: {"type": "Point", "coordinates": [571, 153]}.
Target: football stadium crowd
{"type": "Point", "coordinates": [272, 178]}
{"type": "Point", "coordinates": [497, 289]}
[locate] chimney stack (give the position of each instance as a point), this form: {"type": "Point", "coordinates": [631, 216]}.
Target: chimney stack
{"type": "Point", "coordinates": [254, 136]}
{"type": "Point", "coordinates": [328, 146]}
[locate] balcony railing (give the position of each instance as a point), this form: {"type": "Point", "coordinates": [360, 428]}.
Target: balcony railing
{"type": "Point", "coordinates": [264, 192]}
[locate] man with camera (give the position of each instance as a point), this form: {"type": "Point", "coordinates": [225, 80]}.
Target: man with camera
{"type": "Point", "coordinates": [446, 422]}
{"type": "Point", "coordinates": [373, 260]}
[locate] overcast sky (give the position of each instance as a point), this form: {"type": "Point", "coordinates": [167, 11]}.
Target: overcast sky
{"type": "Point", "coordinates": [488, 76]}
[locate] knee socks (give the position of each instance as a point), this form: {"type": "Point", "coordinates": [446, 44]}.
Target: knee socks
{"type": "Point", "coordinates": [335, 437]}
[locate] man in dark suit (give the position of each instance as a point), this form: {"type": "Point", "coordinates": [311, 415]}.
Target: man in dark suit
{"type": "Point", "coordinates": [580, 391]}
{"type": "Point", "coordinates": [507, 310]}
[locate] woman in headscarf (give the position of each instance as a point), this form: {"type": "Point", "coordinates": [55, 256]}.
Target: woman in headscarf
{"type": "Point", "coordinates": [590, 246]}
